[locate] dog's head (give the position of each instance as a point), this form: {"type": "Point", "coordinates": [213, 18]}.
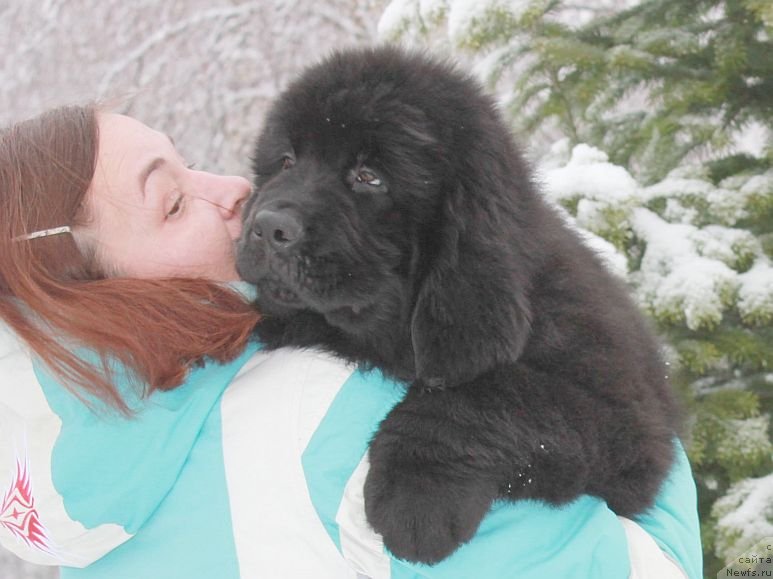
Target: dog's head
{"type": "Point", "coordinates": [382, 199]}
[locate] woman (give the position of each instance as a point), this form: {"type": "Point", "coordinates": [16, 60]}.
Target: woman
{"type": "Point", "coordinates": [142, 434]}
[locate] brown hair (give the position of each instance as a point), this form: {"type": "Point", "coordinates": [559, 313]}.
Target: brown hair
{"type": "Point", "coordinates": [55, 296]}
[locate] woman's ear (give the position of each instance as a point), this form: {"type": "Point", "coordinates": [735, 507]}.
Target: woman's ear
{"type": "Point", "coordinates": [472, 311]}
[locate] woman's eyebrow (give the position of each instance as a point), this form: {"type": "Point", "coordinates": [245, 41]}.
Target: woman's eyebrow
{"type": "Point", "coordinates": [156, 163]}
{"type": "Point", "coordinates": [152, 166]}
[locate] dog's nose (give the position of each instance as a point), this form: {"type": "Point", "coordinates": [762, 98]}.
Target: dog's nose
{"type": "Point", "coordinates": [281, 228]}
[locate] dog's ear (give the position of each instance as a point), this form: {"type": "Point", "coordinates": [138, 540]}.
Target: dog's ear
{"type": "Point", "coordinates": [472, 311]}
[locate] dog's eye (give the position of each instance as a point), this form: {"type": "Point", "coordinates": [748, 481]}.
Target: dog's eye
{"type": "Point", "coordinates": [366, 181]}
{"type": "Point", "coordinates": [365, 176]}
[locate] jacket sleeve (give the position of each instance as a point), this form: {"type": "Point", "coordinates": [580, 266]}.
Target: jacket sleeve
{"type": "Point", "coordinates": [527, 539]}
{"type": "Point", "coordinates": [673, 521]}
{"type": "Point", "coordinates": [584, 539]}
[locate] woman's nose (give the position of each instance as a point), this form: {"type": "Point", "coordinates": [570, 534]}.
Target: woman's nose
{"type": "Point", "coordinates": [227, 192]}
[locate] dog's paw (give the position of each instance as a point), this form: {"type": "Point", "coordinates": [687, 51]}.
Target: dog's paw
{"type": "Point", "coordinates": [424, 515]}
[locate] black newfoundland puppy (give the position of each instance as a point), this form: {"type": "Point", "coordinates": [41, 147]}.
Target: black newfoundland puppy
{"type": "Point", "coordinates": [395, 224]}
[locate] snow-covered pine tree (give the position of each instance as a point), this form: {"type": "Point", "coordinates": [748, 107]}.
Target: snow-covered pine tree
{"type": "Point", "coordinates": [702, 67]}
{"type": "Point", "coordinates": [691, 255]}
{"type": "Point", "coordinates": [662, 88]}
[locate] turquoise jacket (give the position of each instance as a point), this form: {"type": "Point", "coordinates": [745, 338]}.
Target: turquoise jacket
{"type": "Point", "coordinates": [253, 469]}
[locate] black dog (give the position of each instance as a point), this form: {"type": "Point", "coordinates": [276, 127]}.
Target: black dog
{"type": "Point", "coordinates": [394, 223]}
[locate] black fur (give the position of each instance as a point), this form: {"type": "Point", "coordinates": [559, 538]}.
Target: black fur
{"type": "Point", "coordinates": [396, 224]}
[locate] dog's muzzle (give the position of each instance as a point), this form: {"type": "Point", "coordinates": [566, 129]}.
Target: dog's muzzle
{"type": "Point", "coordinates": [282, 229]}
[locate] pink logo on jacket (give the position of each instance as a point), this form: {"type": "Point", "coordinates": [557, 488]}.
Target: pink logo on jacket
{"type": "Point", "coordinates": [18, 513]}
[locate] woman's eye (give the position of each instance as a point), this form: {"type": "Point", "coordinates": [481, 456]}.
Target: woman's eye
{"type": "Point", "coordinates": [368, 177]}
{"type": "Point", "coordinates": [191, 165]}
{"type": "Point", "coordinates": [287, 162]}
{"type": "Point", "coordinates": [176, 207]}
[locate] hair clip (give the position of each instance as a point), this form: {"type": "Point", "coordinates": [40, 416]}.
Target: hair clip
{"type": "Point", "coordinates": [43, 233]}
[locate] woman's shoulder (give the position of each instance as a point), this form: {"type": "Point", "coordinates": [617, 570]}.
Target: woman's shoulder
{"type": "Point", "coordinates": [10, 345]}
{"type": "Point", "coordinates": [70, 464]}
{"type": "Point", "coordinates": [582, 539]}
{"type": "Point", "coordinates": [20, 392]}
{"type": "Point", "coordinates": [527, 538]}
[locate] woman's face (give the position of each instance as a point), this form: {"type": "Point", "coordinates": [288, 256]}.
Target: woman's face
{"type": "Point", "coordinates": [156, 216]}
